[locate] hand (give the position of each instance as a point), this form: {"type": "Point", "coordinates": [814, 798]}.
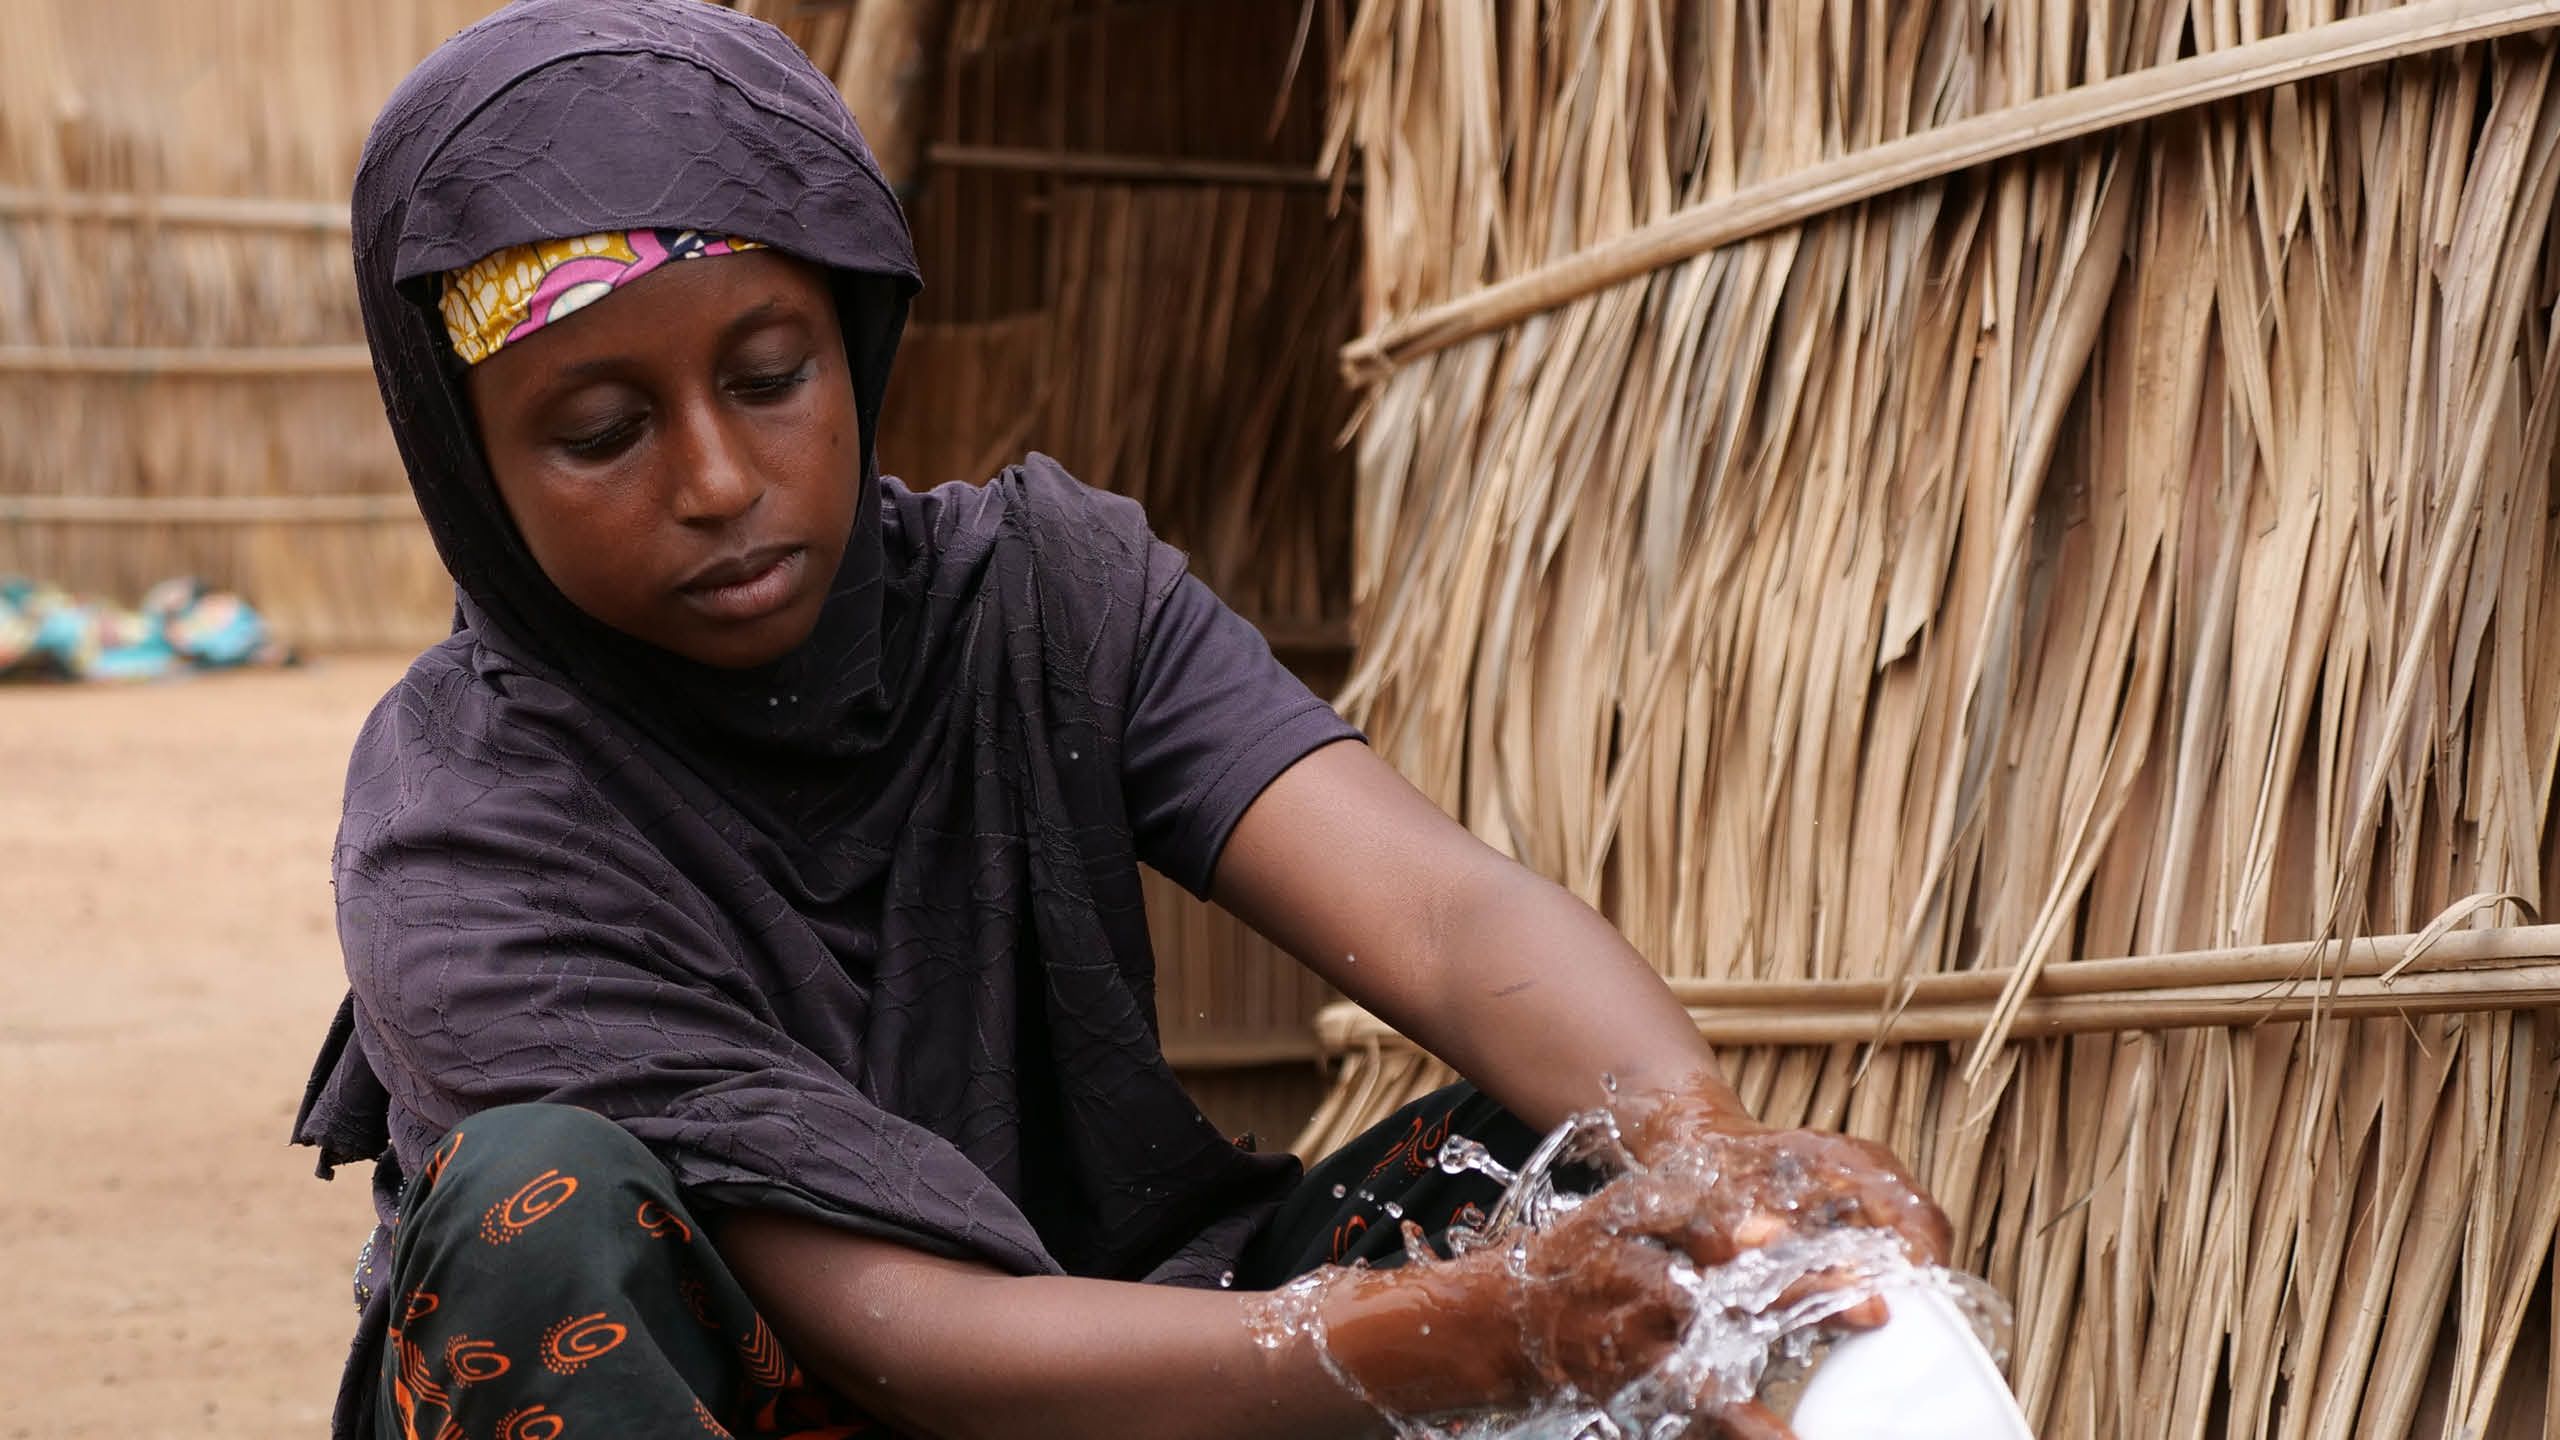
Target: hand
{"type": "Point", "coordinates": [1589, 1305]}
{"type": "Point", "coordinates": [1755, 1185]}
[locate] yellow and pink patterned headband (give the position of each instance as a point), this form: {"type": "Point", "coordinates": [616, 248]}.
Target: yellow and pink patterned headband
{"type": "Point", "coordinates": [508, 295]}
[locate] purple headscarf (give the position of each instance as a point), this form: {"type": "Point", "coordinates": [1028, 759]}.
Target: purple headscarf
{"type": "Point", "coordinates": [858, 934]}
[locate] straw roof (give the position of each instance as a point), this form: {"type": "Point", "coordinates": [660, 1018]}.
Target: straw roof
{"type": "Point", "coordinates": [1903, 567]}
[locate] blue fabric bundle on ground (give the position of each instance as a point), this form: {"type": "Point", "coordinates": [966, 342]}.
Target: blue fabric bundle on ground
{"type": "Point", "coordinates": [47, 633]}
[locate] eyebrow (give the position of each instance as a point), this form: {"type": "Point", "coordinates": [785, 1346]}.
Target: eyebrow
{"type": "Point", "coordinates": [751, 317]}
{"type": "Point", "coordinates": [570, 377]}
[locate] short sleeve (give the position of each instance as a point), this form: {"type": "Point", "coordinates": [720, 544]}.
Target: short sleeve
{"type": "Point", "coordinates": [1213, 719]}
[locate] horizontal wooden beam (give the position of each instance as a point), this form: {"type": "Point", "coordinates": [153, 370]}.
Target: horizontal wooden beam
{"type": "Point", "coordinates": [216, 211]}
{"type": "Point", "coordinates": [1290, 636]}
{"type": "Point", "coordinates": [2393, 33]}
{"type": "Point", "coordinates": [1242, 1051]}
{"type": "Point", "coordinates": [2462, 972]}
{"type": "Point", "coordinates": [1135, 169]}
{"type": "Point", "coordinates": [208, 509]}
{"type": "Point", "coordinates": [183, 360]}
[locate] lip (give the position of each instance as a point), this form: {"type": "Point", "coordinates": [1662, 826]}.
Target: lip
{"type": "Point", "coordinates": [748, 586]}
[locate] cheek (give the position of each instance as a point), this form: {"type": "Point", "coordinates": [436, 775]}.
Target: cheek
{"type": "Point", "coordinates": [816, 456]}
{"type": "Point", "coordinates": [587, 537]}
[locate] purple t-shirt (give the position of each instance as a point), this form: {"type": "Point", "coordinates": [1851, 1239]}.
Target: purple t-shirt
{"type": "Point", "coordinates": [1214, 719]}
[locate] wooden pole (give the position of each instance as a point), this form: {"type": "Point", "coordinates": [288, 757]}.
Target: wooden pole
{"type": "Point", "coordinates": [892, 62]}
{"type": "Point", "coordinates": [210, 211]}
{"type": "Point", "coordinates": [207, 509]}
{"type": "Point", "coordinates": [2461, 972]}
{"type": "Point", "coordinates": [184, 360]}
{"type": "Point", "coordinates": [1135, 169]}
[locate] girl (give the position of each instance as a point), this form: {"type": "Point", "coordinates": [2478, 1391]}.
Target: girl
{"type": "Point", "coordinates": [752, 1016]}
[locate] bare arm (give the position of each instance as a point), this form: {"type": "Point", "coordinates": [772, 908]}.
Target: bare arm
{"type": "Point", "coordinates": [953, 1350]}
{"type": "Point", "coordinates": [1500, 972]}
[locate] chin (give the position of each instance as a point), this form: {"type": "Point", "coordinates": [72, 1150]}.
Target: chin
{"type": "Point", "coordinates": [747, 652]}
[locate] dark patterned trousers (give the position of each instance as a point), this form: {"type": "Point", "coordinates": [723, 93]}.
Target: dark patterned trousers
{"type": "Point", "coordinates": [550, 1282]}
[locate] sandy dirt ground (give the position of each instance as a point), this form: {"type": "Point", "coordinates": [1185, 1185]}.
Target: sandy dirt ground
{"type": "Point", "coordinates": [168, 1266]}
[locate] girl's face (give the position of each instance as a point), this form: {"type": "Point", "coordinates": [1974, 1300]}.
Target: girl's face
{"type": "Point", "coordinates": [683, 456]}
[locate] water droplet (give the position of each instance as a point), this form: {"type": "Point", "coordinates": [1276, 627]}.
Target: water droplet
{"type": "Point", "coordinates": [1337, 1192]}
{"type": "Point", "coordinates": [1608, 1082]}
{"type": "Point", "coordinates": [1394, 1211]}
{"type": "Point", "coordinates": [1075, 754]}
{"type": "Point", "coordinates": [1458, 1155]}
{"type": "Point", "coordinates": [1417, 1246]}
{"type": "Point", "coordinates": [1426, 1327]}
{"type": "Point", "coordinates": [773, 700]}
{"type": "Point", "coordinates": [1349, 959]}
{"type": "Point", "coordinates": [1227, 1281]}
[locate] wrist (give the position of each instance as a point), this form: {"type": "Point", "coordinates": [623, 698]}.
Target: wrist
{"type": "Point", "coordinates": [1430, 1339]}
{"type": "Point", "coordinates": [1655, 1120]}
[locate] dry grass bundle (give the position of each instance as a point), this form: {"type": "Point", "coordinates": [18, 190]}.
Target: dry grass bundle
{"type": "Point", "coordinates": [1170, 336]}
{"type": "Point", "coordinates": [1222, 425]}
{"type": "Point", "coordinates": [2125, 548]}
{"type": "Point", "coordinates": [177, 314]}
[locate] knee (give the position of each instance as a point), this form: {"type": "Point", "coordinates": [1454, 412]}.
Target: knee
{"type": "Point", "coordinates": [512, 1166]}
{"type": "Point", "coordinates": [548, 1129]}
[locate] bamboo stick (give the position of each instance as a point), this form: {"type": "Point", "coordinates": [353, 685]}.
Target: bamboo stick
{"type": "Point", "coordinates": [2370, 958]}
{"type": "Point", "coordinates": [137, 360]}
{"type": "Point", "coordinates": [891, 62]}
{"type": "Point", "coordinates": [218, 211]}
{"type": "Point", "coordinates": [1241, 1051]}
{"type": "Point", "coordinates": [396, 506]}
{"type": "Point", "coordinates": [1126, 169]}
{"type": "Point", "coordinates": [2283, 59]}
{"type": "Point", "coordinates": [2519, 985]}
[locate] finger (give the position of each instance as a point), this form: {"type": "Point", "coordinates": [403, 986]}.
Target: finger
{"type": "Point", "coordinates": [1673, 1214]}
{"type": "Point", "coordinates": [1936, 1234]}
{"type": "Point", "coordinates": [1922, 1227]}
{"type": "Point", "coordinates": [1759, 1228]}
{"type": "Point", "coordinates": [1750, 1420]}
{"type": "Point", "coordinates": [1865, 1313]}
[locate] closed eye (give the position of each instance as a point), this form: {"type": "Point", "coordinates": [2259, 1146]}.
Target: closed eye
{"type": "Point", "coordinates": [771, 384]}
{"type": "Point", "coordinates": [604, 441]}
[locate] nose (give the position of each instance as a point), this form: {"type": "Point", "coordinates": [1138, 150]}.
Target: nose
{"type": "Point", "coordinates": [716, 480]}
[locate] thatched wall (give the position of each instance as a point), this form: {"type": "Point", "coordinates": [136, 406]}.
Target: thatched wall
{"type": "Point", "coordinates": [182, 384]}
{"type": "Point", "coordinates": [2132, 545]}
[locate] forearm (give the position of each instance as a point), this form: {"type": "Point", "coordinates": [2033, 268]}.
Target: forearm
{"type": "Point", "coordinates": [1525, 990]}
{"type": "Point", "coordinates": [950, 1350]}
{"type": "Point", "coordinates": [1534, 996]}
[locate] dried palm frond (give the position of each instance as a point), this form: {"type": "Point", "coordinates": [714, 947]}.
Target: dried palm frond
{"type": "Point", "coordinates": [2134, 546]}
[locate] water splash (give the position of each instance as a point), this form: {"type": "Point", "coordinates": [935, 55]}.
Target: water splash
{"type": "Point", "coordinates": [1748, 1334]}
{"type": "Point", "coordinates": [1461, 1155]}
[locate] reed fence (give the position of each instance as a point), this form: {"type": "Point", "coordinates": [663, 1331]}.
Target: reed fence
{"type": "Point", "coordinates": [1890, 501]}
